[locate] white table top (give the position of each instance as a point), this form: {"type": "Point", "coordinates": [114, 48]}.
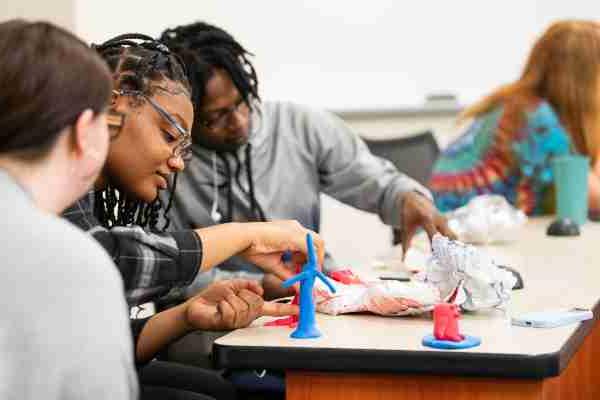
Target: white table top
{"type": "Point", "coordinates": [557, 272]}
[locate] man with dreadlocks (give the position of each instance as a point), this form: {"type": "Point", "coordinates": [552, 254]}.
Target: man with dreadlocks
{"type": "Point", "coordinates": [273, 159]}
{"type": "Point", "coordinates": [150, 116]}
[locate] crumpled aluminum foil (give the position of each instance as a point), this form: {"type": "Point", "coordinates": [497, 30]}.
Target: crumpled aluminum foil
{"type": "Point", "coordinates": [468, 274]}
{"type": "Point", "coordinates": [486, 219]}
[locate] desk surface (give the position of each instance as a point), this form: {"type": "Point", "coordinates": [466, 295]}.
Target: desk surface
{"type": "Point", "coordinates": [557, 272]}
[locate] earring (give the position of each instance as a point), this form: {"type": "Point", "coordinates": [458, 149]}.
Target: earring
{"type": "Point", "coordinates": [216, 215]}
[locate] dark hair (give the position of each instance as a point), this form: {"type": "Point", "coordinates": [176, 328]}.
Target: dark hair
{"type": "Point", "coordinates": [204, 47]}
{"type": "Point", "coordinates": [49, 77]}
{"type": "Point", "coordinates": [138, 63]}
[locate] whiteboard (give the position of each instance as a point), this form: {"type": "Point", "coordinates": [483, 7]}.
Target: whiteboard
{"type": "Point", "coordinates": [357, 55]}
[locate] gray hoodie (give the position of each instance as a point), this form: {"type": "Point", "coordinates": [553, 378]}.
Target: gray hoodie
{"type": "Point", "coordinates": [295, 153]}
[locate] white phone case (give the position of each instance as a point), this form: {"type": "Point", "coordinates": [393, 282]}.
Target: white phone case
{"type": "Point", "coordinates": [552, 319]}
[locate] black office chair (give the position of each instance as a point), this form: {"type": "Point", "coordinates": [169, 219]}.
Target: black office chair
{"type": "Point", "coordinates": [413, 155]}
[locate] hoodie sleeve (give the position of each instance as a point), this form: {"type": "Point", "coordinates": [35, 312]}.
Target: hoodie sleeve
{"type": "Point", "coordinates": [351, 174]}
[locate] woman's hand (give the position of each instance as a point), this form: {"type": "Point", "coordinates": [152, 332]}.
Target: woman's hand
{"type": "Point", "coordinates": [270, 240]}
{"type": "Point", "coordinates": [272, 288]}
{"type": "Point", "coordinates": [223, 305]}
{"type": "Point", "coordinates": [594, 191]}
{"type": "Point", "coordinates": [232, 304]}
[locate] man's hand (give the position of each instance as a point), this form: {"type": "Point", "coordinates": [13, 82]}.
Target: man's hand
{"type": "Point", "coordinates": [232, 304]}
{"type": "Point", "coordinates": [419, 211]}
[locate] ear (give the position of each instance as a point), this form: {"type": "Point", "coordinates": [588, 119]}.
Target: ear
{"type": "Point", "coordinates": [116, 113]}
{"type": "Point", "coordinates": [85, 149]}
{"type": "Point", "coordinates": [82, 133]}
{"type": "Point", "coordinates": [90, 139]}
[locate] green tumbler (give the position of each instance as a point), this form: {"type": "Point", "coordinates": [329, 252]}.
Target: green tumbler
{"type": "Point", "coordinates": [571, 187]}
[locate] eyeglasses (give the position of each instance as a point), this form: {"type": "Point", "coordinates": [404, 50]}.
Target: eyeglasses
{"type": "Point", "coordinates": [183, 148]}
{"type": "Point", "coordinates": [222, 120]}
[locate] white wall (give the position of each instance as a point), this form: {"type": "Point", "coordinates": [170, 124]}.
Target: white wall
{"type": "Point", "coordinates": [343, 54]}
{"type": "Point", "coordinates": [61, 12]}
{"type": "Point", "coordinates": [340, 54]}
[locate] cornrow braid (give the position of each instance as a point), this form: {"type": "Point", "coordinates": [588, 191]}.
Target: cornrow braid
{"type": "Point", "coordinates": [138, 64]}
{"type": "Point", "coordinates": [204, 47]}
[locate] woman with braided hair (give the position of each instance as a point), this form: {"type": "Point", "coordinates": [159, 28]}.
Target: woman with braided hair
{"type": "Point", "coordinates": [150, 118]}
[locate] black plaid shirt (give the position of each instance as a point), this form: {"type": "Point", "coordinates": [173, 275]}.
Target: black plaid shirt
{"type": "Point", "coordinates": [150, 264]}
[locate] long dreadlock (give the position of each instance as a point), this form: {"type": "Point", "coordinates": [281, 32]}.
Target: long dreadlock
{"type": "Point", "coordinates": [138, 63]}
{"type": "Point", "coordinates": [203, 48]}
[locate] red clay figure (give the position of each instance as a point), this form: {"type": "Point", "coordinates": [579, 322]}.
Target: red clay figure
{"type": "Point", "coordinates": [445, 322]}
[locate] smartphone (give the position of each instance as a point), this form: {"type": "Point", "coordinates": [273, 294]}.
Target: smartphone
{"type": "Point", "coordinates": [396, 276]}
{"type": "Point", "coordinates": [552, 319]}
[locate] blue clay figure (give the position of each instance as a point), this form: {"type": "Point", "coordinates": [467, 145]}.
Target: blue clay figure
{"type": "Point", "coordinates": [307, 327]}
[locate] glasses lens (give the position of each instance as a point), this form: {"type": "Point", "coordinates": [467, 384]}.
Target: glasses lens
{"type": "Point", "coordinates": [221, 121]}
{"type": "Point", "coordinates": [183, 150]}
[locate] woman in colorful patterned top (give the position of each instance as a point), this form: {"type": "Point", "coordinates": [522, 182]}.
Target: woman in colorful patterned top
{"type": "Point", "coordinates": [553, 109]}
